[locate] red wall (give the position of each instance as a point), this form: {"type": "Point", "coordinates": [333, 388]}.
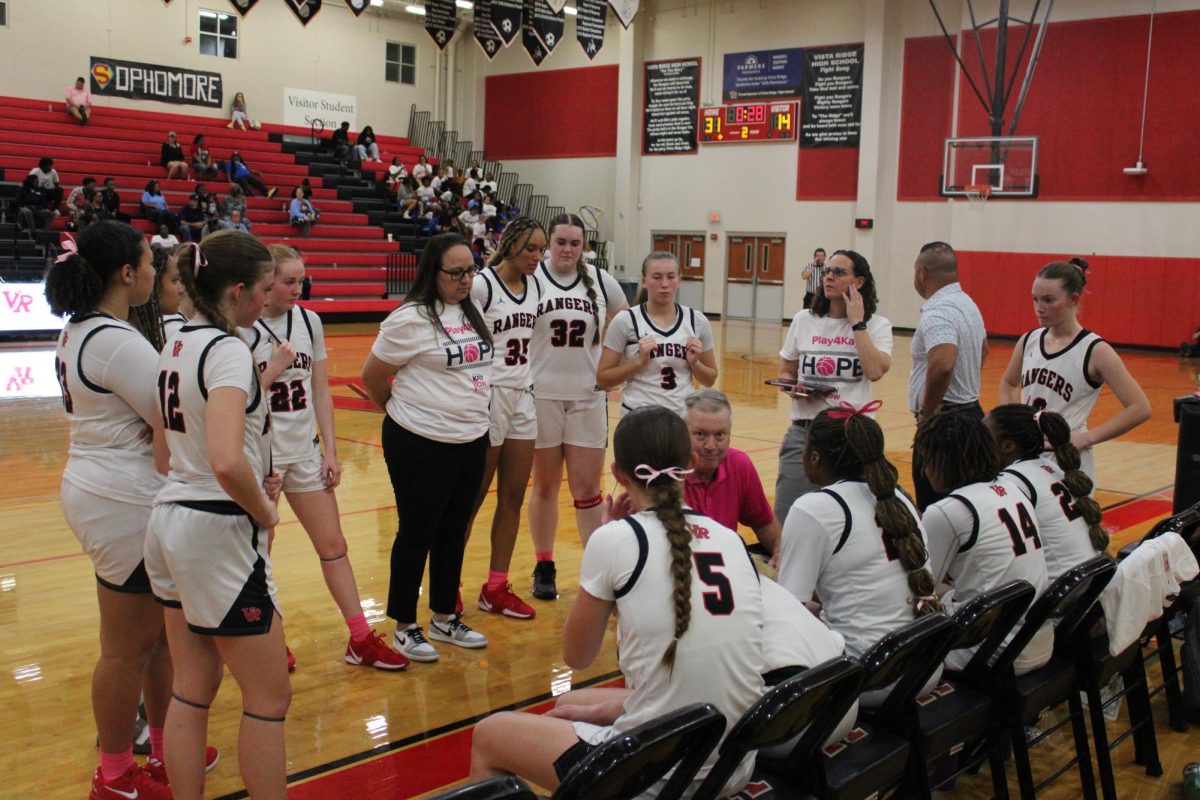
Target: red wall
{"type": "Point", "coordinates": [1153, 302]}
{"type": "Point", "coordinates": [1084, 104]}
{"type": "Point", "coordinates": [827, 173]}
{"type": "Point", "coordinates": [563, 113]}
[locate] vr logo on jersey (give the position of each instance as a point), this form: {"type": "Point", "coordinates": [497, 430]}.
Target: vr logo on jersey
{"type": "Point", "coordinates": [832, 367]}
{"type": "Point", "coordinates": [468, 353]}
{"type": "Point", "coordinates": [1050, 379]}
{"type": "Point", "coordinates": [521, 320]}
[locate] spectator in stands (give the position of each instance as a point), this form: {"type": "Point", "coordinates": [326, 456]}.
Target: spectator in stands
{"type": "Point", "coordinates": [171, 159]}
{"type": "Point", "coordinates": [439, 181]}
{"type": "Point", "coordinates": [202, 161]}
{"type": "Point", "coordinates": [488, 186]}
{"type": "Point", "coordinates": [206, 200]}
{"type": "Point", "coordinates": [396, 173]}
{"type": "Point", "coordinates": [471, 184]}
{"type": "Point", "coordinates": [367, 148]}
{"type": "Point", "coordinates": [164, 238]}
{"type": "Point", "coordinates": [154, 207]}
{"type": "Point", "coordinates": [241, 174]}
{"type": "Point", "coordinates": [238, 118]}
{"type": "Point", "coordinates": [341, 141]}
{"type": "Point", "coordinates": [191, 220]}
{"type": "Point", "coordinates": [112, 201]}
{"type": "Point", "coordinates": [421, 168]}
{"type": "Point", "coordinates": [590, 255]}
{"type": "Point", "coordinates": [450, 171]}
{"type": "Point", "coordinates": [47, 177]}
{"type": "Point", "coordinates": [80, 199]}
{"type": "Point", "coordinates": [488, 209]}
{"type": "Point", "coordinates": [93, 213]}
{"type": "Point", "coordinates": [236, 222]}
{"type": "Point", "coordinates": [406, 193]}
{"type": "Point", "coordinates": [31, 206]}
{"type": "Point", "coordinates": [306, 187]}
{"type": "Point", "coordinates": [79, 102]}
{"type": "Point", "coordinates": [236, 201]}
{"type": "Point", "coordinates": [301, 213]}
{"type": "Point", "coordinates": [426, 192]}
{"type": "Point", "coordinates": [212, 225]}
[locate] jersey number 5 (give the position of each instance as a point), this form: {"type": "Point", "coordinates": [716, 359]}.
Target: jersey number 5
{"type": "Point", "coordinates": [287, 397]}
{"type": "Point", "coordinates": [168, 402]}
{"type": "Point", "coordinates": [720, 602]}
{"type": "Point", "coordinates": [567, 333]}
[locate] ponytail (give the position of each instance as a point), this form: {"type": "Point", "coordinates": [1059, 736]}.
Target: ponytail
{"type": "Point", "coordinates": [224, 259]}
{"type": "Point", "coordinates": [76, 282]}
{"type": "Point", "coordinates": [581, 268]}
{"type": "Point", "coordinates": [1058, 433]}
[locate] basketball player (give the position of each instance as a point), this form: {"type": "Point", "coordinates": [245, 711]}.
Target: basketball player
{"type": "Point", "coordinates": [984, 533]}
{"type": "Point", "coordinates": [106, 371]}
{"type": "Point", "coordinates": [1068, 517]}
{"type": "Point", "coordinates": [298, 388]}
{"type": "Point", "coordinates": [1062, 365]}
{"type": "Point", "coordinates": [707, 648]}
{"type": "Point", "coordinates": [206, 552]}
{"type": "Point", "coordinates": [172, 300]}
{"type": "Point", "coordinates": [508, 292]}
{"type": "Point", "coordinates": [857, 543]}
{"type": "Point", "coordinates": [438, 349]}
{"type": "Point", "coordinates": [577, 302]}
{"type": "Point", "coordinates": [833, 352]}
{"type": "Point", "coordinates": [657, 347]}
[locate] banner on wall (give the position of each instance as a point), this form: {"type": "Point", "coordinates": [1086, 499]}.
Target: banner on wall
{"type": "Point", "coordinates": [305, 10]}
{"type": "Point", "coordinates": [302, 107]}
{"type": "Point", "coordinates": [29, 373]}
{"type": "Point", "coordinates": [832, 96]}
{"type": "Point", "coordinates": [626, 11]}
{"type": "Point", "coordinates": [590, 18]}
{"type": "Point", "coordinates": [357, 6]}
{"type": "Point", "coordinates": [114, 78]}
{"type": "Point", "coordinates": [243, 6]}
{"type": "Point", "coordinates": [485, 34]}
{"type": "Point", "coordinates": [672, 95]}
{"type": "Point", "coordinates": [529, 37]}
{"type": "Point", "coordinates": [556, 5]}
{"type": "Point", "coordinates": [23, 307]}
{"type": "Point", "coordinates": [506, 19]}
{"type": "Point", "coordinates": [547, 23]}
{"type": "Point", "coordinates": [441, 17]}
{"type": "Point", "coordinates": [763, 74]}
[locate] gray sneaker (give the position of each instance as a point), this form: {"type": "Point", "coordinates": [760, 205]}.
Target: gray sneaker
{"type": "Point", "coordinates": [411, 642]}
{"type": "Point", "coordinates": [455, 631]}
{"type": "Point", "coordinates": [544, 581]}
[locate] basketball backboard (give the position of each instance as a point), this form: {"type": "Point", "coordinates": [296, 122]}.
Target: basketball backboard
{"type": "Point", "coordinates": [1005, 164]}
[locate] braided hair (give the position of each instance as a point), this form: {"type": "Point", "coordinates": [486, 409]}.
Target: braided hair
{"type": "Point", "coordinates": [958, 448]}
{"type": "Point", "coordinates": [1030, 430]}
{"type": "Point", "coordinates": [853, 449]}
{"type": "Point", "coordinates": [77, 284]}
{"type": "Point", "coordinates": [228, 258]}
{"type": "Point", "coordinates": [658, 438]}
{"type": "Point", "coordinates": [147, 318]}
{"type": "Point", "coordinates": [513, 240]}
{"type": "Point", "coordinates": [581, 268]}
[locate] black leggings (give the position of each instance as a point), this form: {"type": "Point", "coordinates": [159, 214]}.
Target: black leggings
{"type": "Point", "coordinates": [435, 486]}
{"type": "Point", "coordinates": [251, 182]}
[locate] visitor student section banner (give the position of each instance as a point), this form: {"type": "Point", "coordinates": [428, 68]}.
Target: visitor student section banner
{"type": "Point", "coordinates": [114, 78]}
{"type": "Point", "coordinates": [672, 95]}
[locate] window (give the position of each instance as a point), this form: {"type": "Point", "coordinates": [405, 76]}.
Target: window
{"type": "Point", "coordinates": [401, 63]}
{"type": "Point", "coordinates": [218, 34]}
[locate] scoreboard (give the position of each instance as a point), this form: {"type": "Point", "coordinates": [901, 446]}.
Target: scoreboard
{"type": "Point", "coordinates": [757, 122]}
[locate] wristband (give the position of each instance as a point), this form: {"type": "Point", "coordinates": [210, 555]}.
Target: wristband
{"type": "Point", "coordinates": [859, 326]}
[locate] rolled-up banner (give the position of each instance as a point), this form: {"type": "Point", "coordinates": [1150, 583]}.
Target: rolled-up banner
{"type": "Point", "coordinates": [506, 19]}
{"type": "Point", "coordinates": [441, 16]}
{"type": "Point", "coordinates": [357, 6]}
{"type": "Point", "coordinates": [485, 34]}
{"type": "Point", "coordinates": [590, 18]}
{"type": "Point", "coordinates": [626, 11]}
{"type": "Point", "coordinates": [243, 6]}
{"type": "Point", "coordinates": [305, 10]}
{"type": "Point", "coordinates": [547, 23]}
{"type": "Point", "coordinates": [529, 37]}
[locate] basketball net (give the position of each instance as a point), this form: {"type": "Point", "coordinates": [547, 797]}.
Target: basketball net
{"type": "Point", "coordinates": [977, 194]}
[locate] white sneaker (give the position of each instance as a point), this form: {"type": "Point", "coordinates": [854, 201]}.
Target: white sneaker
{"type": "Point", "coordinates": [411, 642]}
{"type": "Point", "coordinates": [455, 631]}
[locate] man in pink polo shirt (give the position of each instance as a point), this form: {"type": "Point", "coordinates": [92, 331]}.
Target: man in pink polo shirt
{"type": "Point", "coordinates": [725, 485]}
{"type": "Point", "coordinates": [79, 102]}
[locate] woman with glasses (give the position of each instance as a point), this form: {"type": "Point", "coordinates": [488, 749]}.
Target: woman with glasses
{"type": "Point", "coordinates": [435, 437]}
{"type": "Point", "coordinates": [833, 352]}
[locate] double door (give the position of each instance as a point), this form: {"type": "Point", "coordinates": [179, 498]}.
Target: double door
{"type": "Point", "coordinates": [754, 277]}
{"type": "Point", "coordinates": [689, 249]}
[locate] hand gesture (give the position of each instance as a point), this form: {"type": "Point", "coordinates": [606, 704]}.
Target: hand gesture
{"type": "Point", "coordinates": [617, 507]}
{"type": "Point", "coordinates": [646, 347]}
{"type": "Point", "coordinates": [281, 357]}
{"type": "Point", "coordinates": [331, 472]}
{"type": "Point", "coordinates": [273, 485]}
{"type": "Point", "coordinates": [855, 312]}
{"type": "Point", "coordinates": [694, 349]}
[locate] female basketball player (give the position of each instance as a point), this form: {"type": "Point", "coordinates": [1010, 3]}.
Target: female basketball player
{"type": "Point", "coordinates": [435, 437]}
{"type": "Point", "coordinates": [857, 544]}
{"type": "Point", "coordinates": [1062, 365]}
{"type": "Point", "coordinates": [657, 347]}
{"type": "Point", "coordinates": [985, 533]}
{"type": "Point", "coordinates": [106, 370]}
{"type": "Point", "coordinates": [834, 352]}
{"type": "Point", "coordinates": [577, 302]}
{"type": "Point", "coordinates": [1068, 518]}
{"type": "Point", "coordinates": [172, 300]}
{"type": "Point", "coordinates": [298, 385]}
{"type": "Point", "coordinates": [690, 608]}
{"type": "Point", "coordinates": [206, 552]}
{"type": "Point", "coordinates": [508, 292]}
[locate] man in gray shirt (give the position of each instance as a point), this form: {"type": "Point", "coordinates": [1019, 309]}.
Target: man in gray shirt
{"type": "Point", "coordinates": [948, 349]}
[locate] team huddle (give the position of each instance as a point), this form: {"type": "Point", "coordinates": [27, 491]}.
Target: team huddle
{"type": "Point", "coordinates": [186, 429]}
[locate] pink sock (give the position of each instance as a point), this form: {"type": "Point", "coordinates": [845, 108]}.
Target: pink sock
{"type": "Point", "coordinates": [497, 580]}
{"type": "Point", "coordinates": [546, 556]}
{"type": "Point", "coordinates": [156, 743]}
{"type": "Point", "coordinates": [113, 765]}
{"type": "Point", "coordinates": [359, 629]}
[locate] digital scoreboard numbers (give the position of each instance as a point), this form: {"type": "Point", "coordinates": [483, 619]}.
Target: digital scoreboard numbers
{"type": "Point", "coordinates": [756, 122]}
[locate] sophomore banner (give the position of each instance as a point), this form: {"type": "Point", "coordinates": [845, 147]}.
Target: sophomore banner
{"type": "Point", "coordinates": [114, 78]}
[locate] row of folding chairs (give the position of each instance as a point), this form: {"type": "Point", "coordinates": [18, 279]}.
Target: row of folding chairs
{"type": "Point", "coordinates": [979, 714]}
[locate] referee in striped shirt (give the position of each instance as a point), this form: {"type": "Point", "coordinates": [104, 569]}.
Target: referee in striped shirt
{"type": "Point", "coordinates": [814, 273]}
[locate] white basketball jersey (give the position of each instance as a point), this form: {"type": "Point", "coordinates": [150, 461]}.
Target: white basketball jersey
{"type": "Point", "coordinates": [293, 417]}
{"type": "Point", "coordinates": [667, 379]}
{"type": "Point", "coordinates": [566, 343]}
{"type": "Point", "coordinates": [1059, 381]}
{"type": "Point", "coordinates": [1063, 531]}
{"type": "Point", "coordinates": [199, 358]}
{"type": "Point", "coordinates": [171, 323]}
{"type": "Point", "coordinates": [510, 319]}
{"type": "Point", "coordinates": [832, 545]}
{"type": "Point", "coordinates": [106, 371]}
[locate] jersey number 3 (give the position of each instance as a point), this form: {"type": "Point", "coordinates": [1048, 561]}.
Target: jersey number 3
{"type": "Point", "coordinates": [719, 603]}
{"type": "Point", "coordinates": [168, 402]}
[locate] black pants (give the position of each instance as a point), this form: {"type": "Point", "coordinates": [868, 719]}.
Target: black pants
{"type": "Point", "coordinates": [926, 495]}
{"type": "Point", "coordinates": [435, 486]}
{"type": "Point", "coordinates": [808, 299]}
{"type": "Point", "coordinates": [250, 183]}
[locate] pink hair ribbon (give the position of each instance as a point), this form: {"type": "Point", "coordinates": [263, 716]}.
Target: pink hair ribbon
{"type": "Point", "coordinates": [847, 411]}
{"type": "Point", "coordinates": [69, 249]}
{"type": "Point", "coordinates": [199, 259]}
{"type": "Point", "coordinates": [649, 474]}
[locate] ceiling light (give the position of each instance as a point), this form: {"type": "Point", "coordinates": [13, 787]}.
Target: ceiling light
{"type": "Point", "coordinates": [419, 10]}
{"type": "Point", "coordinates": [465, 4]}
{"type": "Point", "coordinates": [376, 2]}
{"type": "Point", "coordinates": [570, 10]}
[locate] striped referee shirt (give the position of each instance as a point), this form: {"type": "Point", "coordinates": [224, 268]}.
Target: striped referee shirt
{"type": "Point", "coordinates": [815, 278]}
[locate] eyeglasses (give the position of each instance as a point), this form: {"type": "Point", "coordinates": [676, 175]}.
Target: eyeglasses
{"type": "Point", "coordinates": [459, 274]}
{"type": "Point", "coordinates": [839, 272]}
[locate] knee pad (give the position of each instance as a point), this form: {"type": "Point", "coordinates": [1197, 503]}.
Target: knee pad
{"type": "Point", "coordinates": [189, 703]}
{"type": "Point", "coordinates": [591, 502]}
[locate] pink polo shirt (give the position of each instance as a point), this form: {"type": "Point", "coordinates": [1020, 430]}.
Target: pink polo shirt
{"type": "Point", "coordinates": [735, 494]}
{"type": "Point", "coordinates": [79, 97]}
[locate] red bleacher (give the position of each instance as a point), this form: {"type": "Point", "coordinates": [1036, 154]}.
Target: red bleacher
{"type": "Point", "coordinates": [347, 257]}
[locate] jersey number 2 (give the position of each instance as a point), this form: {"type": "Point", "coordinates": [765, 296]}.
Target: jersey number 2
{"type": "Point", "coordinates": [1066, 501]}
{"type": "Point", "coordinates": [168, 402]}
{"type": "Point", "coordinates": [720, 602]}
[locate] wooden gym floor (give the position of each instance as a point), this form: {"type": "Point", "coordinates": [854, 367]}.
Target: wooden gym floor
{"type": "Point", "coordinates": [356, 732]}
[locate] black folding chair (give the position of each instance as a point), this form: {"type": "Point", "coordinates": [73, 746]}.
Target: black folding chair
{"type": "Point", "coordinates": [506, 787]}
{"type": "Point", "coordinates": [632, 762]}
{"type": "Point", "coordinates": [802, 702]}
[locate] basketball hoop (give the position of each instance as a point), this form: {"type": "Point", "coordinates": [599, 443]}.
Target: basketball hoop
{"type": "Point", "coordinates": [977, 193]}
